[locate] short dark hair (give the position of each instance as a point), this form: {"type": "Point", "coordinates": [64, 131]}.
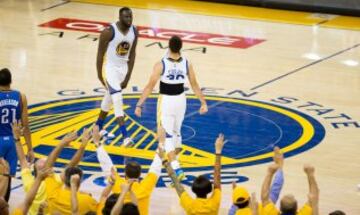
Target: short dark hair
{"type": "Point", "coordinates": [90, 213]}
{"type": "Point", "coordinates": [130, 209]}
{"type": "Point", "coordinates": [5, 77]}
{"type": "Point", "coordinates": [133, 169]}
{"type": "Point", "coordinates": [124, 9]}
{"type": "Point", "coordinates": [242, 204]}
{"type": "Point", "coordinates": [175, 44]}
{"type": "Point", "coordinates": [288, 209]}
{"type": "Point", "coordinates": [337, 212]}
{"type": "Point", "coordinates": [109, 204]}
{"type": "Point", "coordinates": [201, 186]}
{"type": "Point", "coordinates": [72, 171]}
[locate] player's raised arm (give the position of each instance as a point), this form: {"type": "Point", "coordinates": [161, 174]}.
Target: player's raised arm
{"type": "Point", "coordinates": [104, 40]}
{"type": "Point", "coordinates": [155, 76]}
{"type": "Point", "coordinates": [195, 87]}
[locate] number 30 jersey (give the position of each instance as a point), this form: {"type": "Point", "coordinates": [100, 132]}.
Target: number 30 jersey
{"type": "Point", "coordinates": [173, 76]}
{"type": "Point", "coordinates": [10, 110]}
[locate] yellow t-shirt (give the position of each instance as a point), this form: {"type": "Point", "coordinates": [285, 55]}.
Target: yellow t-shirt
{"type": "Point", "coordinates": [244, 211]}
{"type": "Point", "coordinates": [28, 180]}
{"type": "Point", "coordinates": [100, 206]}
{"type": "Point", "coordinates": [17, 211]}
{"type": "Point", "coordinates": [270, 209]}
{"type": "Point", "coordinates": [59, 198]}
{"type": "Point", "coordinates": [142, 191]}
{"type": "Point", "coordinates": [201, 206]}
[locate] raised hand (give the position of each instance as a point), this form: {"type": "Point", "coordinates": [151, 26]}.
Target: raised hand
{"type": "Point", "coordinates": [43, 173]}
{"type": "Point", "coordinates": [219, 143]}
{"type": "Point", "coordinates": [75, 180]}
{"type": "Point", "coordinates": [86, 135]}
{"type": "Point", "coordinates": [278, 157]}
{"type": "Point", "coordinates": [308, 169]}
{"type": "Point", "coordinates": [68, 138]}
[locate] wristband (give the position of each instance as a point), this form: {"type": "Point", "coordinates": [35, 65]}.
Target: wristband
{"type": "Point", "coordinates": [139, 106]}
{"type": "Point", "coordinates": [218, 154]}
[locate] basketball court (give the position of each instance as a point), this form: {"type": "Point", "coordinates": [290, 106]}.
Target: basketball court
{"type": "Point", "coordinates": [271, 77]}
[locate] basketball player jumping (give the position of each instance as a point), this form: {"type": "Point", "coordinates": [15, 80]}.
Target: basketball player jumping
{"type": "Point", "coordinates": [172, 71]}
{"type": "Point", "coordinates": [115, 60]}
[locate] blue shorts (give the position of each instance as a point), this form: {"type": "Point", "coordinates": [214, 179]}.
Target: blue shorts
{"type": "Point", "coordinates": [8, 152]}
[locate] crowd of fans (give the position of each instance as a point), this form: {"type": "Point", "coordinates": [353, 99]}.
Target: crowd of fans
{"type": "Point", "coordinates": [48, 192]}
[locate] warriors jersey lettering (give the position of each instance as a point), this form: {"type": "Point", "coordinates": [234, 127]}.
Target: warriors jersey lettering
{"type": "Point", "coordinates": [173, 76]}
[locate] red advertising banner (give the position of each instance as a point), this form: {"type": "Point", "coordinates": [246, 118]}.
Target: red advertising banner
{"type": "Point", "coordinates": [158, 33]}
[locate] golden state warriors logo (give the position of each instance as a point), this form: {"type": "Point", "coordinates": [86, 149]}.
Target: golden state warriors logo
{"type": "Point", "coordinates": [123, 48]}
{"type": "Point", "coordinates": [252, 129]}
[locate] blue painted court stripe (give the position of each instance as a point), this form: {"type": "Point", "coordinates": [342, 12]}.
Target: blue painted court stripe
{"type": "Point", "coordinates": [303, 67]}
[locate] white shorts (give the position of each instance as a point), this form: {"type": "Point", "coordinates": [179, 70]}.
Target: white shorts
{"type": "Point", "coordinates": [171, 111]}
{"type": "Point", "coordinates": [114, 76]}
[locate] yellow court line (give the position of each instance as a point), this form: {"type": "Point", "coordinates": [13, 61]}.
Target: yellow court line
{"type": "Point", "coordinates": [235, 11]}
{"type": "Point", "coordinates": [142, 140]}
{"type": "Point", "coordinates": [150, 144]}
{"type": "Point", "coordinates": [120, 135]}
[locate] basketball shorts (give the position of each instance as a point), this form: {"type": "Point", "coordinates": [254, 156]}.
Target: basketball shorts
{"type": "Point", "coordinates": [171, 111]}
{"type": "Point", "coordinates": [8, 152]}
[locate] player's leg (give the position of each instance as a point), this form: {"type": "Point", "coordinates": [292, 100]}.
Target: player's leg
{"type": "Point", "coordinates": [167, 121]}
{"type": "Point", "coordinates": [179, 118]}
{"type": "Point", "coordinates": [4, 147]}
{"type": "Point", "coordinates": [114, 80]}
{"type": "Point", "coordinates": [105, 108]}
{"type": "Point", "coordinates": [11, 157]}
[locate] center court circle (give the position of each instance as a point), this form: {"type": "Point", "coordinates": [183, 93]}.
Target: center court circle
{"type": "Point", "coordinates": [251, 128]}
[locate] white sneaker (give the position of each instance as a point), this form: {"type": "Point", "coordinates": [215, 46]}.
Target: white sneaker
{"type": "Point", "coordinates": [128, 142]}
{"type": "Point", "coordinates": [107, 135]}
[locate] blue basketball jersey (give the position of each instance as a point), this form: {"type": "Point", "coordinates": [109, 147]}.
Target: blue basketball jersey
{"type": "Point", "coordinates": [10, 110]}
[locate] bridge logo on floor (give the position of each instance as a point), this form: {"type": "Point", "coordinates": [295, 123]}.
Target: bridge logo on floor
{"type": "Point", "coordinates": [251, 128]}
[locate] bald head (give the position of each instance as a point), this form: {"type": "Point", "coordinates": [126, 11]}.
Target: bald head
{"type": "Point", "coordinates": [288, 205]}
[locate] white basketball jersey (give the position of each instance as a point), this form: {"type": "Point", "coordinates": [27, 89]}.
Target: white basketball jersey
{"type": "Point", "coordinates": [174, 72]}
{"type": "Point", "coordinates": [119, 47]}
